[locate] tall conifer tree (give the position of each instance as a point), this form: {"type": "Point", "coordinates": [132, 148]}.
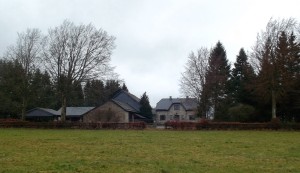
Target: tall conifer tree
{"type": "Point", "coordinates": [124, 87]}
{"type": "Point", "coordinates": [146, 109]}
{"type": "Point", "coordinates": [217, 84]}
{"type": "Point", "coordinates": [242, 79]}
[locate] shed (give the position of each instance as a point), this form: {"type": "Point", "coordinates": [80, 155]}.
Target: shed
{"type": "Point", "coordinates": [42, 114]}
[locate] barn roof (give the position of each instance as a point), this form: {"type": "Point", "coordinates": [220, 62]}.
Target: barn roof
{"type": "Point", "coordinates": [127, 101]}
{"type": "Point", "coordinates": [124, 106]}
{"type": "Point", "coordinates": [42, 112]}
{"type": "Point", "coordinates": [76, 111]}
{"type": "Point", "coordinates": [71, 112]}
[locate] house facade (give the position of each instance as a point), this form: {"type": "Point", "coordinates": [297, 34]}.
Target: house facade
{"type": "Point", "coordinates": [176, 109]}
{"type": "Point", "coordinates": [108, 112]}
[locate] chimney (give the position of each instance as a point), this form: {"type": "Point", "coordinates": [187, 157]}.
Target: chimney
{"type": "Point", "coordinates": [170, 97]}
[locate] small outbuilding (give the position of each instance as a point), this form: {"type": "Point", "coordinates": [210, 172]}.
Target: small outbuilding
{"type": "Point", "coordinates": [76, 113]}
{"type": "Point", "coordinates": [42, 114]}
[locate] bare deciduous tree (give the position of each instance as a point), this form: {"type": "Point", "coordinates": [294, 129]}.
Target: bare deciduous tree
{"type": "Point", "coordinates": [272, 33]}
{"type": "Point", "coordinates": [26, 52]}
{"type": "Point", "coordinates": [193, 79]}
{"type": "Point", "coordinates": [75, 53]}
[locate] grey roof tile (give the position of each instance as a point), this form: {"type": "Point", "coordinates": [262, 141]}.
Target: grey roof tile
{"type": "Point", "coordinates": [125, 98]}
{"type": "Point", "coordinates": [124, 106]}
{"type": "Point", "coordinates": [42, 112]}
{"type": "Point", "coordinates": [76, 111]}
{"type": "Point", "coordinates": [71, 112]}
{"type": "Point", "coordinates": [166, 103]}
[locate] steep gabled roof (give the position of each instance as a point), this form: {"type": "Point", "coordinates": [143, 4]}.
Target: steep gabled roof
{"type": "Point", "coordinates": [124, 106]}
{"type": "Point", "coordinates": [166, 103]}
{"type": "Point", "coordinates": [127, 101]}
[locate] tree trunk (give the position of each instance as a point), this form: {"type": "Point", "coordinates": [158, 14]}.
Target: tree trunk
{"type": "Point", "coordinates": [23, 109]}
{"type": "Point", "coordinates": [63, 108]}
{"type": "Point", "coordinates": [273, 105]}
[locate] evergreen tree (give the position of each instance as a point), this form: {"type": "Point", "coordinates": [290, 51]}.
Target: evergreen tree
{"type": "Point", "coordinates": [264, 85]}
{"type": "Point", "coordinates": [146, 109]}
{"type": "Point", "coordinates": [76, 95]}
{"type": "Point", "coordinates": [293, 59]}
{"type": "Point", "coordinates": [283, 78]}
{"type": "Point", "coordinates": [111, 86]}
{"type": "Point", "coordinates": [87, 94]}
{"type": "Point", "coordinates": [42, 93]}
{"type": "Point", "coordinates": [94, 93]}
{"type": "Point", "coordinates": [217, 84]}
{"type": "Point", "coordinates": [242, 80]}
{"type": "Point", "coordinates": [287, 54]}
{"type": "Point", "coordinates": [270, 54]}
{"type": "Point", "coordinates": [294, 66]}
{"type": "Point", "coordinates": [124, 87]}
{"type": "Point", "coordinates": [242, 83]}
{"type": "Point", "coordinates": [97, 93]}
{"type": "Point", "coordinates": [277, 75]}
{"type": "Point", "coordinates": [10, 90]}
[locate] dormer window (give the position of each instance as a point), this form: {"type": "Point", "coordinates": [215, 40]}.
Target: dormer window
{"type": "Point", "coordinates": [176, 106]}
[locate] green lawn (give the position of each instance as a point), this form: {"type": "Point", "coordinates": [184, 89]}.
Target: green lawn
{"type": "Point", "coordinates": [31, 150]}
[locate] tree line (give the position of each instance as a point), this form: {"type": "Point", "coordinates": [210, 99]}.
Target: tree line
{"type": "Point", "coordinates": [42, 92]}
{"type": "Point", "coordinates": [262, 85]}
{"type": "Point", "coordinates": [50, 70]}
{"type": "Point", "coordinates": [69, 66]}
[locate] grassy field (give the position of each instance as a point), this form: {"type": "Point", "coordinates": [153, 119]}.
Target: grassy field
{"type": "Point", "coordinates": [31, 150]}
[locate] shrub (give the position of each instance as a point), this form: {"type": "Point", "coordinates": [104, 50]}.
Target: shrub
{"type": "Point", "coordinates": [275, 123]}
{"type": "Point", "coordinates": [241, 113]}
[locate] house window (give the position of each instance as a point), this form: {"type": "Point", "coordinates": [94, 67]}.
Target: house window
{"type": "Point", "coordinates": [162, 118]}
{"type": "Point", "coordinates": [176, 106]}
{"type": "Point", "coordinates": [192, 117]}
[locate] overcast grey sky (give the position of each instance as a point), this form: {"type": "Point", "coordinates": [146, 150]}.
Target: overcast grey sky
{"type": "Point", "coordinates": [153, 37]}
